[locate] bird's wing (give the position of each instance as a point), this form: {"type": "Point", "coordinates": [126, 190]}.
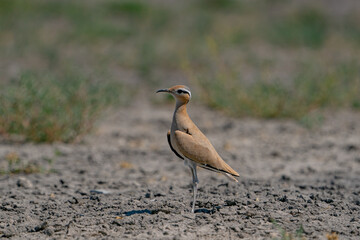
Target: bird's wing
{"type": "Point", "coordinates": [204, 155]}
{"type": "Point", "coordinates": [171, 147]}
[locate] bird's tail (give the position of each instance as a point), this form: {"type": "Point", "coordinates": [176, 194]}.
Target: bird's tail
{"type": "Point", "coordinates": [231, 177]}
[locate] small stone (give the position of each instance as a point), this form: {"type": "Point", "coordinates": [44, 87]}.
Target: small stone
{"type": "Point", "coordinates": [100, 191]}
{"type": "Point", "coordinates": [95, 198]}
{"type": "Point", "coordinates": [235, 228]}
{"type": "Point", "coordinates": [240, 235]}
{"type": "Point", "coordinates": [283, 199]}
{"type": "Point", "coordinates": [74, 200]}
{"type": "Point", "coordinates": [275, 154]}
{"type": "Point", "coordinates": [351, 147]}
{"type": "Point", "coordinates": [285, 178]}
{"type": "Point", "coordinates": [40, 227]}
{"type": "Point", "coordinates": [24, 182]}
{"type": "Point", "coordinates": [230, 202]}
{"type": "Point", "coordinates": [9, 232]}
{"type": "Point", "coordinates": [328, 200]}
{"type": "Point", "coordinates": [49, 231]}
{"type": "Point", "coordinates": [159, 194]}
{"type": "Point", "coordinates": [176, 237]}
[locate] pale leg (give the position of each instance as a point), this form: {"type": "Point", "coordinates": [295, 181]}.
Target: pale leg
{"type": "Point", "coordinates": [192, 166]}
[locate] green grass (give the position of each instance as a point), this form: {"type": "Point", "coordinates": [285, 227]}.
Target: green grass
{"type": "Point", "coordinates": [306, 27]}
{"type": "Point", "coordinates": [268, 59]}
{"type": "Point", "coordinates": [351, 28]}
{"type": "Point", "coordinates": [216, 5]}
{"type": "Point", "coordinates": [16, 166]}
{"type": "Point", "coordinates": [306, 64]}
{"type": "Point", "coordinates": [312, 89]}
{"type": "Point", "coordinates": [134, 9]}
{"type": "Point", "coordinates": [285, 235]}
{"type": "Point", "coordinates": [275, 100]}
{"type": "Point", "coordinates": [47, 108]}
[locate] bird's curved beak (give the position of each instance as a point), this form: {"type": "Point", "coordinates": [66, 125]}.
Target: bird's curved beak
{"type": "Point", "coordinates": [162, 90]}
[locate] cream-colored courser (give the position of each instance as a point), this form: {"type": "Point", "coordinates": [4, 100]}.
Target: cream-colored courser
{"type": "Point", "coordinates": [190, 144]}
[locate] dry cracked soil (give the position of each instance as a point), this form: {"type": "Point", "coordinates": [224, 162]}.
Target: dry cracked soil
{"type": "Point", "coordinates": [124, 182]}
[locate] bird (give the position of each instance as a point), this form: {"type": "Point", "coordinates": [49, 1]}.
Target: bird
{"type": "Point", "coordinates": [190, 144]}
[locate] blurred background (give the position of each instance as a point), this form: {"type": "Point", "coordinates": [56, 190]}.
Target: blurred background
{"type": "Point", "coordinates": [62, 62]}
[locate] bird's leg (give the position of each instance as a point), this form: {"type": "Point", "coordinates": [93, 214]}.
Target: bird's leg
{"type": "Point", "coordinates": [195, 184]}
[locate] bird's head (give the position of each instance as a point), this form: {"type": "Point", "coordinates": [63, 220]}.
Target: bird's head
{"type": "Point", "coordinates": [181, 93]}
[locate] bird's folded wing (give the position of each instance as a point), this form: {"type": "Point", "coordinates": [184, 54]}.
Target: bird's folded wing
{"type": "Point", "coordinates": [201, 154]}
{"type": "Point", "coordinates": [171, 147]}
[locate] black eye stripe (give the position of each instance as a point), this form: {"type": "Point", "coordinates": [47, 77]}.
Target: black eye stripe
{"type": "Point", "coordinates": [182, 91]}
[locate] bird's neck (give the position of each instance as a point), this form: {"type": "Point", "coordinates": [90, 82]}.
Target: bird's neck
{"type": "Point", "coordinates": [180, 108]}
{"type": "Point", "coordinates": [181, 119]}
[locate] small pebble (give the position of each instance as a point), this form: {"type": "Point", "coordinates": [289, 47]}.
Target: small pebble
{"type": "Point", "coordinates": [24, 182]}
{"type": "Point", "coordinates": [9, 232]}
{"type": "Point", "coordinates": [49, 231]}
{"type": "Point", "coordinates": [100, 191]}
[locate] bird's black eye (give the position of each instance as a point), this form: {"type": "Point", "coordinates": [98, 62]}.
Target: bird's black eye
{"type": "Point", "coordinates": [181, 91]}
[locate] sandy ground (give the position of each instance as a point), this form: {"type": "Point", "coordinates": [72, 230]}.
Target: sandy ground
{"type": "Point", "coordinates": [124, 181]}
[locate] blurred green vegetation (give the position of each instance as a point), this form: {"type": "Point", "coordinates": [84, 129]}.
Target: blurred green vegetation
{"type": "Point", "coordinates": [298, 234]}
{"type": "Point", "coordinates": [15, 165]}
{"type": "Point", "coordinates": [305, 27]}
{"type": "Point", "coordinates": [47, 108]}
{"type": "Point", "coordinates": [256, 58]}
{"type": "Point", "coordinates": [312, 88]}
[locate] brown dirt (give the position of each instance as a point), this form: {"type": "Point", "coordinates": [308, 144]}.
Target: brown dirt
{"type": "Point", "coordinates": [123, 181]}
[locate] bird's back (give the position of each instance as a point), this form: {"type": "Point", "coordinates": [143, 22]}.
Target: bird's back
{"type": "Point", "coordinates": [193, 144]}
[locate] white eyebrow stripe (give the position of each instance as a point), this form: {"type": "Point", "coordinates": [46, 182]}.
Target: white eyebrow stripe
{"type": "Point", "coordinates": [185, 90]}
